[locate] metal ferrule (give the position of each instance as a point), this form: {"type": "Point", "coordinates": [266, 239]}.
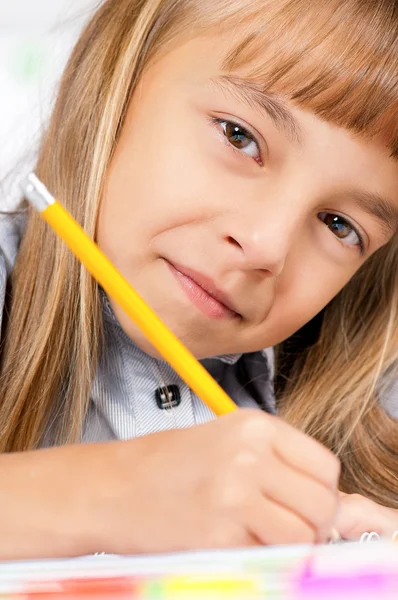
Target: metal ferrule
{"type": "Point", "coordinates": [36, 193]}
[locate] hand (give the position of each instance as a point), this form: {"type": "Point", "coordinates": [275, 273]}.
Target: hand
{"type": "Point", "coordinates": [358, 515]}
{"type": "Point", "coordinates": [244, 479]}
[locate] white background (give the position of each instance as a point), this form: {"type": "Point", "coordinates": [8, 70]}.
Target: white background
{"type": "Point", "coordinates": [36, 37]}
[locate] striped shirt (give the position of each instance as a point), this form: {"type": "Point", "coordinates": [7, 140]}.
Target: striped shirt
{"type": "Point", "coordinates": [125, 400]}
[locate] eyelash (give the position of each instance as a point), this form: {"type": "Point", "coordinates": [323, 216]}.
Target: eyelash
{"type": "Point", "coordinates": [219, 122]}
{"type": "Point", "coordinates": [361, 241]}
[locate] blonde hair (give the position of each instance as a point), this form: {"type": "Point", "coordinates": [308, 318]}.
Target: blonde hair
{"type": "Point", "coordinates": [337, 59]}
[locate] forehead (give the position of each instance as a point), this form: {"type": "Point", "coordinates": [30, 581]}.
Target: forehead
{"type": "Point", "coordinates": [331, 87]}
{"type": "Point", "coordinates": [337, 59]}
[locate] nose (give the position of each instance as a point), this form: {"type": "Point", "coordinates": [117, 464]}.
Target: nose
{"type": "Point", "coordinates": [261, 241]}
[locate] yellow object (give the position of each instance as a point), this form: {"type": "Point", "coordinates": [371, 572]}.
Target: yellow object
{"type": "Point", "coordinates": [184, 588]}
{"type": "Point", "coordinates": [116, 286]}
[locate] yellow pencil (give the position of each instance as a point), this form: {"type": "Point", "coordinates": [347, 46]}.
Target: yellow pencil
{"type": "Point", "coordinates": [116, 286]}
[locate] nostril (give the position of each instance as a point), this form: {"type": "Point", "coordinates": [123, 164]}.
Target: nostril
{"type": "Point", "coordinates": [233, 241]}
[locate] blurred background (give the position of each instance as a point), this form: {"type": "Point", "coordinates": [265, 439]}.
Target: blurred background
{"type": "Point", "coordinates": [36, 37]}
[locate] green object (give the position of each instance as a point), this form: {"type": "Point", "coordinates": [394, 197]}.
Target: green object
{"type": "Point", "coordinates": [155, 590]}
{"type": "Point", "coordinates": [29, 62]}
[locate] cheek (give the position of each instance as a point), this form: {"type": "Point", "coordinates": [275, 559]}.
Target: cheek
{"type": "Point", "coordinates": [306, 287]}
{"type": "Point", "coordinates": [159, 179]}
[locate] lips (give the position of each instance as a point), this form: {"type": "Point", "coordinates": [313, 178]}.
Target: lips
{"type": "Point", "coordinates": [203, 292]}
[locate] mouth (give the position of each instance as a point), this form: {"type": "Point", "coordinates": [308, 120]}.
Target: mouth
{"type": "Point", "coordinates": [203, 293]}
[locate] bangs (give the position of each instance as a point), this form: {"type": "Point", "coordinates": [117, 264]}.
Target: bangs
{"type": "Point", "coordinates": [337, 59]}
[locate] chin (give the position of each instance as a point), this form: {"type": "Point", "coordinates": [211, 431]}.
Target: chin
{"type": "Point", "coordinates": [195, 346]}
{"type": "Point", "coordinates": [195, 338]}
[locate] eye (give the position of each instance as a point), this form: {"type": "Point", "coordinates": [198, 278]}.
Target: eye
{"type": "Point", "coordinates": [240, 139]}
{"type": "Point", "coordinates": [342, 229]}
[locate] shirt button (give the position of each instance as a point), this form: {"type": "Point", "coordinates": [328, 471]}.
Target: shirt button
{"type": "Point", "coordinates": [168, 397]}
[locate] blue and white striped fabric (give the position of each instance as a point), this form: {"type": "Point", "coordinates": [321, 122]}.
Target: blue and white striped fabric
{"type": "Point", "coordinates": [123, 402]}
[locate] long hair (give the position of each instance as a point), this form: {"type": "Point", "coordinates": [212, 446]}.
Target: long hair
{"type": "Point", "coordinates": [338, 59]}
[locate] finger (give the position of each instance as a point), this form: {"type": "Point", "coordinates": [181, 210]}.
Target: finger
{"type": "Point", "coordinates": [272, 523]}
{"type": "Point", "coordinates": [307, 498]}
{"type": "Point", "coordinates": [228, 534]}
{"type": "Point", "coordinates": [352, 522]}
{"type": "Point", "coordinates": [358, 515]}
{"type": "Point", "coordinates": [307, 455]}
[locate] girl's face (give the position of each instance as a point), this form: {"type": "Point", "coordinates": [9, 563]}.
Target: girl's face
{"type": "Point", "coordinates": [235, 215]}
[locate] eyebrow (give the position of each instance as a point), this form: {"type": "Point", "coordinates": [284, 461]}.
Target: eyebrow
{"type": "Point", "coordinates": [254, 96]}
{"type": "Point", "coordinates": [383, 209]}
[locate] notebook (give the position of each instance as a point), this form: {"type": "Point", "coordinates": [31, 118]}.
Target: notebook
{"type": "Point", "coordinates": [332, 572]}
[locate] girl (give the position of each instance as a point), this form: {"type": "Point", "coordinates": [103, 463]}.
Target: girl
{"type": "Point", "coordinates": [237, 162]}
